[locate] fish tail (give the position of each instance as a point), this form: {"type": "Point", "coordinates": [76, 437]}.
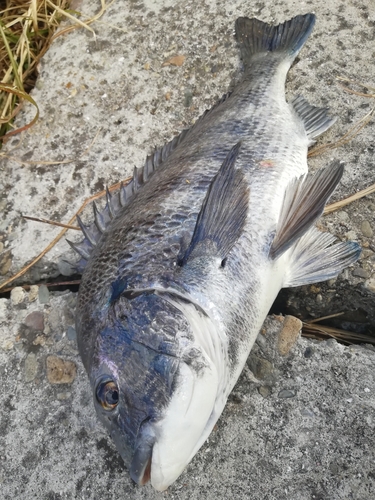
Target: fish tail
{"type": "Point", "coordinates": [255, 37]}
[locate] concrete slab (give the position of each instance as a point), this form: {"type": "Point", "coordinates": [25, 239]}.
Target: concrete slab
{"type": "Point", "coordinates": [317, 443]}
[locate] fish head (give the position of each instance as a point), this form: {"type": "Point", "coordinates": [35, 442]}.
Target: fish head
{"type": "Point", "coordinates": [154, 385]}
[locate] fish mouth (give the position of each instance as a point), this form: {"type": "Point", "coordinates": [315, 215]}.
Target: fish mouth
{"type": "Point", "coordinates": [140, 467]}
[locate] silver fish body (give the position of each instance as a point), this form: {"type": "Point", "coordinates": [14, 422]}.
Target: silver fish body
{"type": "Point", "coordinates": [182, 267]}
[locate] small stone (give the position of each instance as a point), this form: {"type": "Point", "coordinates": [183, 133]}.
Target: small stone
{"type": "Point", "coordinates": [7, 345]}
{"type": "Point", "coordinates": [65, 268]}
{"type": "Point", "coordinates": [31, 367]}
{"type": "Point", "coordinates": [40, 340]}
{"type": "Point", "coordinates": [351, 235]}
{"type": "Point", "coordinates": [370, 285]}
{"type": "Point", "coordinates": [17, 295]}
{"type": "Point", "coordinates": [286, 394]}
{"type": "Point", "coordinates": [5, 264]}
{"type": "Point", "coordinates": [264, 391]}
{"type": "Point", "coordinates": [366, 253]}
{"type": "Point", "coordinates": [43, 294]}
{"type": "Point", "coordinates": [343, 216]}
{"type": "Point", "coordinates": [71, 333]}
{"type": "Point", "coordinates": [60, 371]}
{"type": "Point", "coordinates": [175, 61]}
{"type": "Point", "coordinates": [307, 413]}
{"type": "Point", "coordinates": [62, 396]}
{"type": "Point", "coordinates": [3, 309]}
{"type": "Point", "coordinates": [188, 98]}
{"type": "Point", "coordinates": [35, 321]}
{"type": "Point", "coordinates": [261, 368]}
{"type": "Point", "coordinates": [308, 352]}
{"type": "Point", "coordinates": [361, 273]}
{"type": "Point", "coordinates": [366, 229]}
{"type": "Point", "coordinates": [289, 334]}
{"type": "Point", "coordinates": [33, 293]}
{"type": "Point", "coordinates": [1, 246]}
{"type": "Point", "coordinates": [319, 298]}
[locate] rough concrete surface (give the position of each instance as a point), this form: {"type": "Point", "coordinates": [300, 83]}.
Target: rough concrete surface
{"type": "Point", "coordinates": [306, 429]}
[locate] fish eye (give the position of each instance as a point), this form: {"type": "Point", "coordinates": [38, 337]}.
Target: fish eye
{"type": "Point", "coordinates": [107, 394]}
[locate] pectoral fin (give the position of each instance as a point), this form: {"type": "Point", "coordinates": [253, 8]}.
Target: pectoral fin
{"type": "Point", "coordinates": [315, 259]}
{"type": "Point", "coordinates": [223, 214]}
{"type": "Point", "coordinates": [304, 203]}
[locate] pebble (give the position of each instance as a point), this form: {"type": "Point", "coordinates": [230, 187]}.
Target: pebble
{"type": "Point", "coordinates": [261, 368]}
{"type": "Point", "coordinates": [351, 235]}
{"type": "Point", "coordinates": [370, 285]}
{"type": "Point", "coordinates": [308, 352]}
{"type": "Point", "coordinates": [264, 391]}
{"type": "Point", "coordinates": [71, 333]}
{"type": "Point", "coordinates": [289, 334]}
{"type": "Point", "coordinates": [33, 293]}
{"type": "Point", "coordinates": [65, 268]}
{"type": "Point", "coordinates": [60, 371]}
{"type": "Point", "coordinates": [17, 295]}
{"type": "Point", "coordinates": [31, 367]}
{"type": "Point", "coordinates": [62, 396]}
{"type": "Point", "coordinates": [1, 246]}
{"type": "Point", "coordinates": [361, 273]}
{"type": "Point", "coordinates": [35, 321]}
{"type": "Point", "coordinates": [43, 294]}
{"type": "Point", "coordinates": [343, 216]}
{"type": "Point", "coordinates": [188, 98]}
{"type": "Point", "coordinates": [286, 394]}
{"type": "Point", "coordinates": [5, 264]}
{"type": "Point", "coordinates": [366, 229]}
{"type": "Point", "coordinates": [3, 309]}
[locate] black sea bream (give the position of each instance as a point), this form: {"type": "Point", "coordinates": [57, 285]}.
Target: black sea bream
{"type": "Point", "coordinates": [182, 267]}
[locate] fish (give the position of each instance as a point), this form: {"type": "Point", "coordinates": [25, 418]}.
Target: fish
{"type": "Point", "coordinates": [181, 267]}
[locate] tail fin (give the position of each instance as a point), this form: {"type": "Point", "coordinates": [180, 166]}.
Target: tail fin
{"type": "Point", "coordinates": [255, 36]}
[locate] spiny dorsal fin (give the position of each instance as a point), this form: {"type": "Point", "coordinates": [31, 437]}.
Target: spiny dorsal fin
{"type": "Point", "coordinates": [304, 203]}
{"type": "Point", "coordinates": [255, 37]}
{"type": "Point", "coordinates": [114, 203]}
{"type": "Point", "coordinates": [315, 259]}
{"type": "Point", "coordinates": [315, 120]}
{"type": "Point", "coordinates": [223, 214]}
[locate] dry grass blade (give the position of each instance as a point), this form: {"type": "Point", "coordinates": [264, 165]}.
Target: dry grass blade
{"type": "Point", "coordinates": [27, 29]}
{"type": "Point", "coordinates": [346, 201]}
{"type": "Point", "coordinates": [313, 330]}
{"type": "Point", "coordinates": [22, 95]}
{"type": "Point", "coordinates": [370, 90]}
{"type": "Point", "coordinates": [347, 137]}
{"type": "Point", "coordinates": [87, 22]}
{"type": "Point", "coordinates": [61, 234]}
{"type": "Point", "coordinates": [49, 285]}
{"type": "Point", "coordinates": [52, 222]}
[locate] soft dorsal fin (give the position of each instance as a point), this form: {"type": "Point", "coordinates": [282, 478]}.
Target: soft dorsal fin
{"type": "Point", "coordinates": [304, 203]}
{"type": "Point", "coordinates": [223, 214]}
{"type": "Point", "coordinates": [315, 120]}
{"type": "Point", "coordinates": [314, 258]}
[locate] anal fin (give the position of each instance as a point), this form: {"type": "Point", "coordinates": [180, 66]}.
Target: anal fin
{"type": "Point", "coordinates": [314, 258]}
{"type": "Point", "coordinates": [315, 120]}
{"type": "Point", "coordinates": [304, 202]}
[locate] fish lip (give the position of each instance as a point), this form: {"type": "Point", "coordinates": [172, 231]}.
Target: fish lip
{"type": "Point", "coordinates": [140, 467]}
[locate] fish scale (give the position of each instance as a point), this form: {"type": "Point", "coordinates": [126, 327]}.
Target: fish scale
{"type": "Point", "coordinates": [181, 268]}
